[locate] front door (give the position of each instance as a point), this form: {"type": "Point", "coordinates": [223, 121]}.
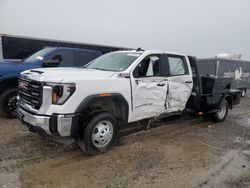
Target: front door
{"type": "Point", "coordinates": [149, 88]}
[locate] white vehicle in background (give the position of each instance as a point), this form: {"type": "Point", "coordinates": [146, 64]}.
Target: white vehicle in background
{"type": "Point", "coordinates": [90, 105]}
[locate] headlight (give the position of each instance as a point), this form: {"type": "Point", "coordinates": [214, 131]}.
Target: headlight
{"type": "Point", "coordinates": [61, 92]}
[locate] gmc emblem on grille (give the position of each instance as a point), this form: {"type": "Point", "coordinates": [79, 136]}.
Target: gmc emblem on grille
{"type": "Point", "coordinates": [23, 85]}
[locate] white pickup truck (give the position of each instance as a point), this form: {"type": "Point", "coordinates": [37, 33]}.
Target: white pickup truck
{"type": "Point", "coordinates": [91, 104]}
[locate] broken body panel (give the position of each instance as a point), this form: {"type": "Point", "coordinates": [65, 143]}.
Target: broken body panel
{"type": "Point", "coordinates": [162, 90]}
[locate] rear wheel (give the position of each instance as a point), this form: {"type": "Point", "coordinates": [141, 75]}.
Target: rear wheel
{"type": "Point", "coordinates": [100, 134]}
{"type": "Point", "coordinates": [243, 92]}
{"type": "Point", "coordinates": [8, 103]}
{"type": "Point", "coordinates": [221, 114]}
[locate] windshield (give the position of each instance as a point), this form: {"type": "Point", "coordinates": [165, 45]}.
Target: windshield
{"type": "Point", "coordinates": [118, 61]}
{"type": "Point", "coordinates": [38, 55]}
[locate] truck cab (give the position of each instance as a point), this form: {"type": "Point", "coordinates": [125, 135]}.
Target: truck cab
{"type": "Point", "coordinates": [48, 57]}
{"type": "Point", "coordinates": [90, 105]}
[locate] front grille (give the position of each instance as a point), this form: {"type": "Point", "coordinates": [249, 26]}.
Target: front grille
{"type": "Point", "coordinates": [30, 92]}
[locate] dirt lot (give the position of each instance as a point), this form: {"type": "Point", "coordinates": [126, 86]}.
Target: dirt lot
{"type": "Point", "coordinates": [178, 153]}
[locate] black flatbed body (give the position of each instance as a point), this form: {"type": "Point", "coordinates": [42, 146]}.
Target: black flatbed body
{"type": "Point", "coordinates": [236, 69]}
{"type": "Point", "coordinates": [208, 92]}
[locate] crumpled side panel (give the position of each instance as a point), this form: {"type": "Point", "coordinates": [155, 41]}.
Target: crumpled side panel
{"type": "Point", "coordinates": [149, 100]}
{"type": "Point", "coordinates": [179, 93]}
{"type": "Point", "coordinates": [177, 97]}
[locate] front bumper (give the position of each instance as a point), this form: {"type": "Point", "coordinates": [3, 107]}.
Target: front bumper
{"type": "Point", "coordinates": [63, 125]}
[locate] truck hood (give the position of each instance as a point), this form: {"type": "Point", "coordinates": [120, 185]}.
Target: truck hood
{"type": "Point", "coordinates": [65, 74]}
{"type": "Point", "coordinates": [14, 67]}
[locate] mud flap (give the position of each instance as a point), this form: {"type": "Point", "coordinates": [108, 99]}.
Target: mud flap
{"type": "Point", "coordinates": [81, 144]}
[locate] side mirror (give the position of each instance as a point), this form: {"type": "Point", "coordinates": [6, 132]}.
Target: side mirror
{"type": "Point", "coordinates": [51, 63]}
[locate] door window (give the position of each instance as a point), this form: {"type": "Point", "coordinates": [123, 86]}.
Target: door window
{"type": "Point", "coordinates": [177, 65]}
{"type": "Point", "coordinates": [66, 57]}
{"type": "Point", "coordinates": [150, 66]}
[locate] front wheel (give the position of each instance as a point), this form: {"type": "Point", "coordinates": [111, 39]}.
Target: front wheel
{"type": "Point", "coordinates": [8, 103]}
{"type": "Point", "coordinates": [221, 114]}
{"type": "Point", "coordinates": [100, 134]}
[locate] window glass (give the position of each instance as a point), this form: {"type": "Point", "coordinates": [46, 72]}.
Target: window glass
{"type": "Point", "coordinates": [177, 66]}
{"type": "Point", "coordinates": [82, 57]}
{"type": "Point", "coordinates": [65, 56]}
{"type": "Point", "coordinates": [117, 61]}
{"type": "Point", "coordinates": [38, 55]}
{"type": "Point", "coordinates": [150, 66]}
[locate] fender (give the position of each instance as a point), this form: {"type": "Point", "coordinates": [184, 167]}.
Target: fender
{"type": "Point", "coordinates": [233, 98]}
{"type": "Point", "coordinates": [99, 97]}
{"type": "Point", "coordinates": [4, 78]}
{"type": "Point", "coordinates": [8, 80]}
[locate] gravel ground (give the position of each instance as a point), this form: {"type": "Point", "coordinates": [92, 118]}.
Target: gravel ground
{"type": "Point", "coordinates": [176, 153]}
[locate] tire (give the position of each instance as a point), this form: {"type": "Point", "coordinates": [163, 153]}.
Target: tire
{"type": "Point", "coordinates": [100, 134]}
{"type": "Point", "coordinates": [221, 114]}
{"type": "Point", "coordinates": [243, 92]}
{"type": "Point", "coordinates": [8, 102]}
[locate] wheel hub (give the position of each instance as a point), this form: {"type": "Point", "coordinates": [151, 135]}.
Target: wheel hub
{"type": "Point", "coordinates": [243, 93]}
{"type": "Point", "coordinates": [222, 111]}
{"type": "Point", "coordinates": [12, 104]}
{"type": "Point", "coordinates": [102, 134]}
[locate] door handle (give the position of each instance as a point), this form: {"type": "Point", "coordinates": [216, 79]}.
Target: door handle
{"type": "Point", "coordinates": [160, 85]}
{"type": "Point", "coordinates": [188, 82]}
{"type": "Point", "coordinates": [165, 79]}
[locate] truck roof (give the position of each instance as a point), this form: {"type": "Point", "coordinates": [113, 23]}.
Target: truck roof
{"type": "Point", "coordinates": [68, 48]}
{"type": "Point", "coordinates": [148, 51]}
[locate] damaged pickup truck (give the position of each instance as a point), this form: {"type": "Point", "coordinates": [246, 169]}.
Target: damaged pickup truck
{"type": "Point", "coordinates": [90, 105]}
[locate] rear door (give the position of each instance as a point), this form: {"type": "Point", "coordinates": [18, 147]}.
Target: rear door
{"type": "Point", "coordinates": [180, 83]}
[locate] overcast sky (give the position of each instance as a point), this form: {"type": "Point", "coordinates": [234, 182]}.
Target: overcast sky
{"type": "Point", "coordinates": [202, 28]}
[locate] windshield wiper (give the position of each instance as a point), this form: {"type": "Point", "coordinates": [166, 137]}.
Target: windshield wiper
{"type": "Point", "coordinates": [100, 69]}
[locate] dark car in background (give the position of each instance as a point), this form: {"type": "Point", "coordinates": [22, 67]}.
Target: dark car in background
{"type": "Point", "coordinates": [48, 57]}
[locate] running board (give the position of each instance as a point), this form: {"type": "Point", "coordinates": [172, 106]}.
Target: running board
{"type": "Point", "coordinates": [161, 117]}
